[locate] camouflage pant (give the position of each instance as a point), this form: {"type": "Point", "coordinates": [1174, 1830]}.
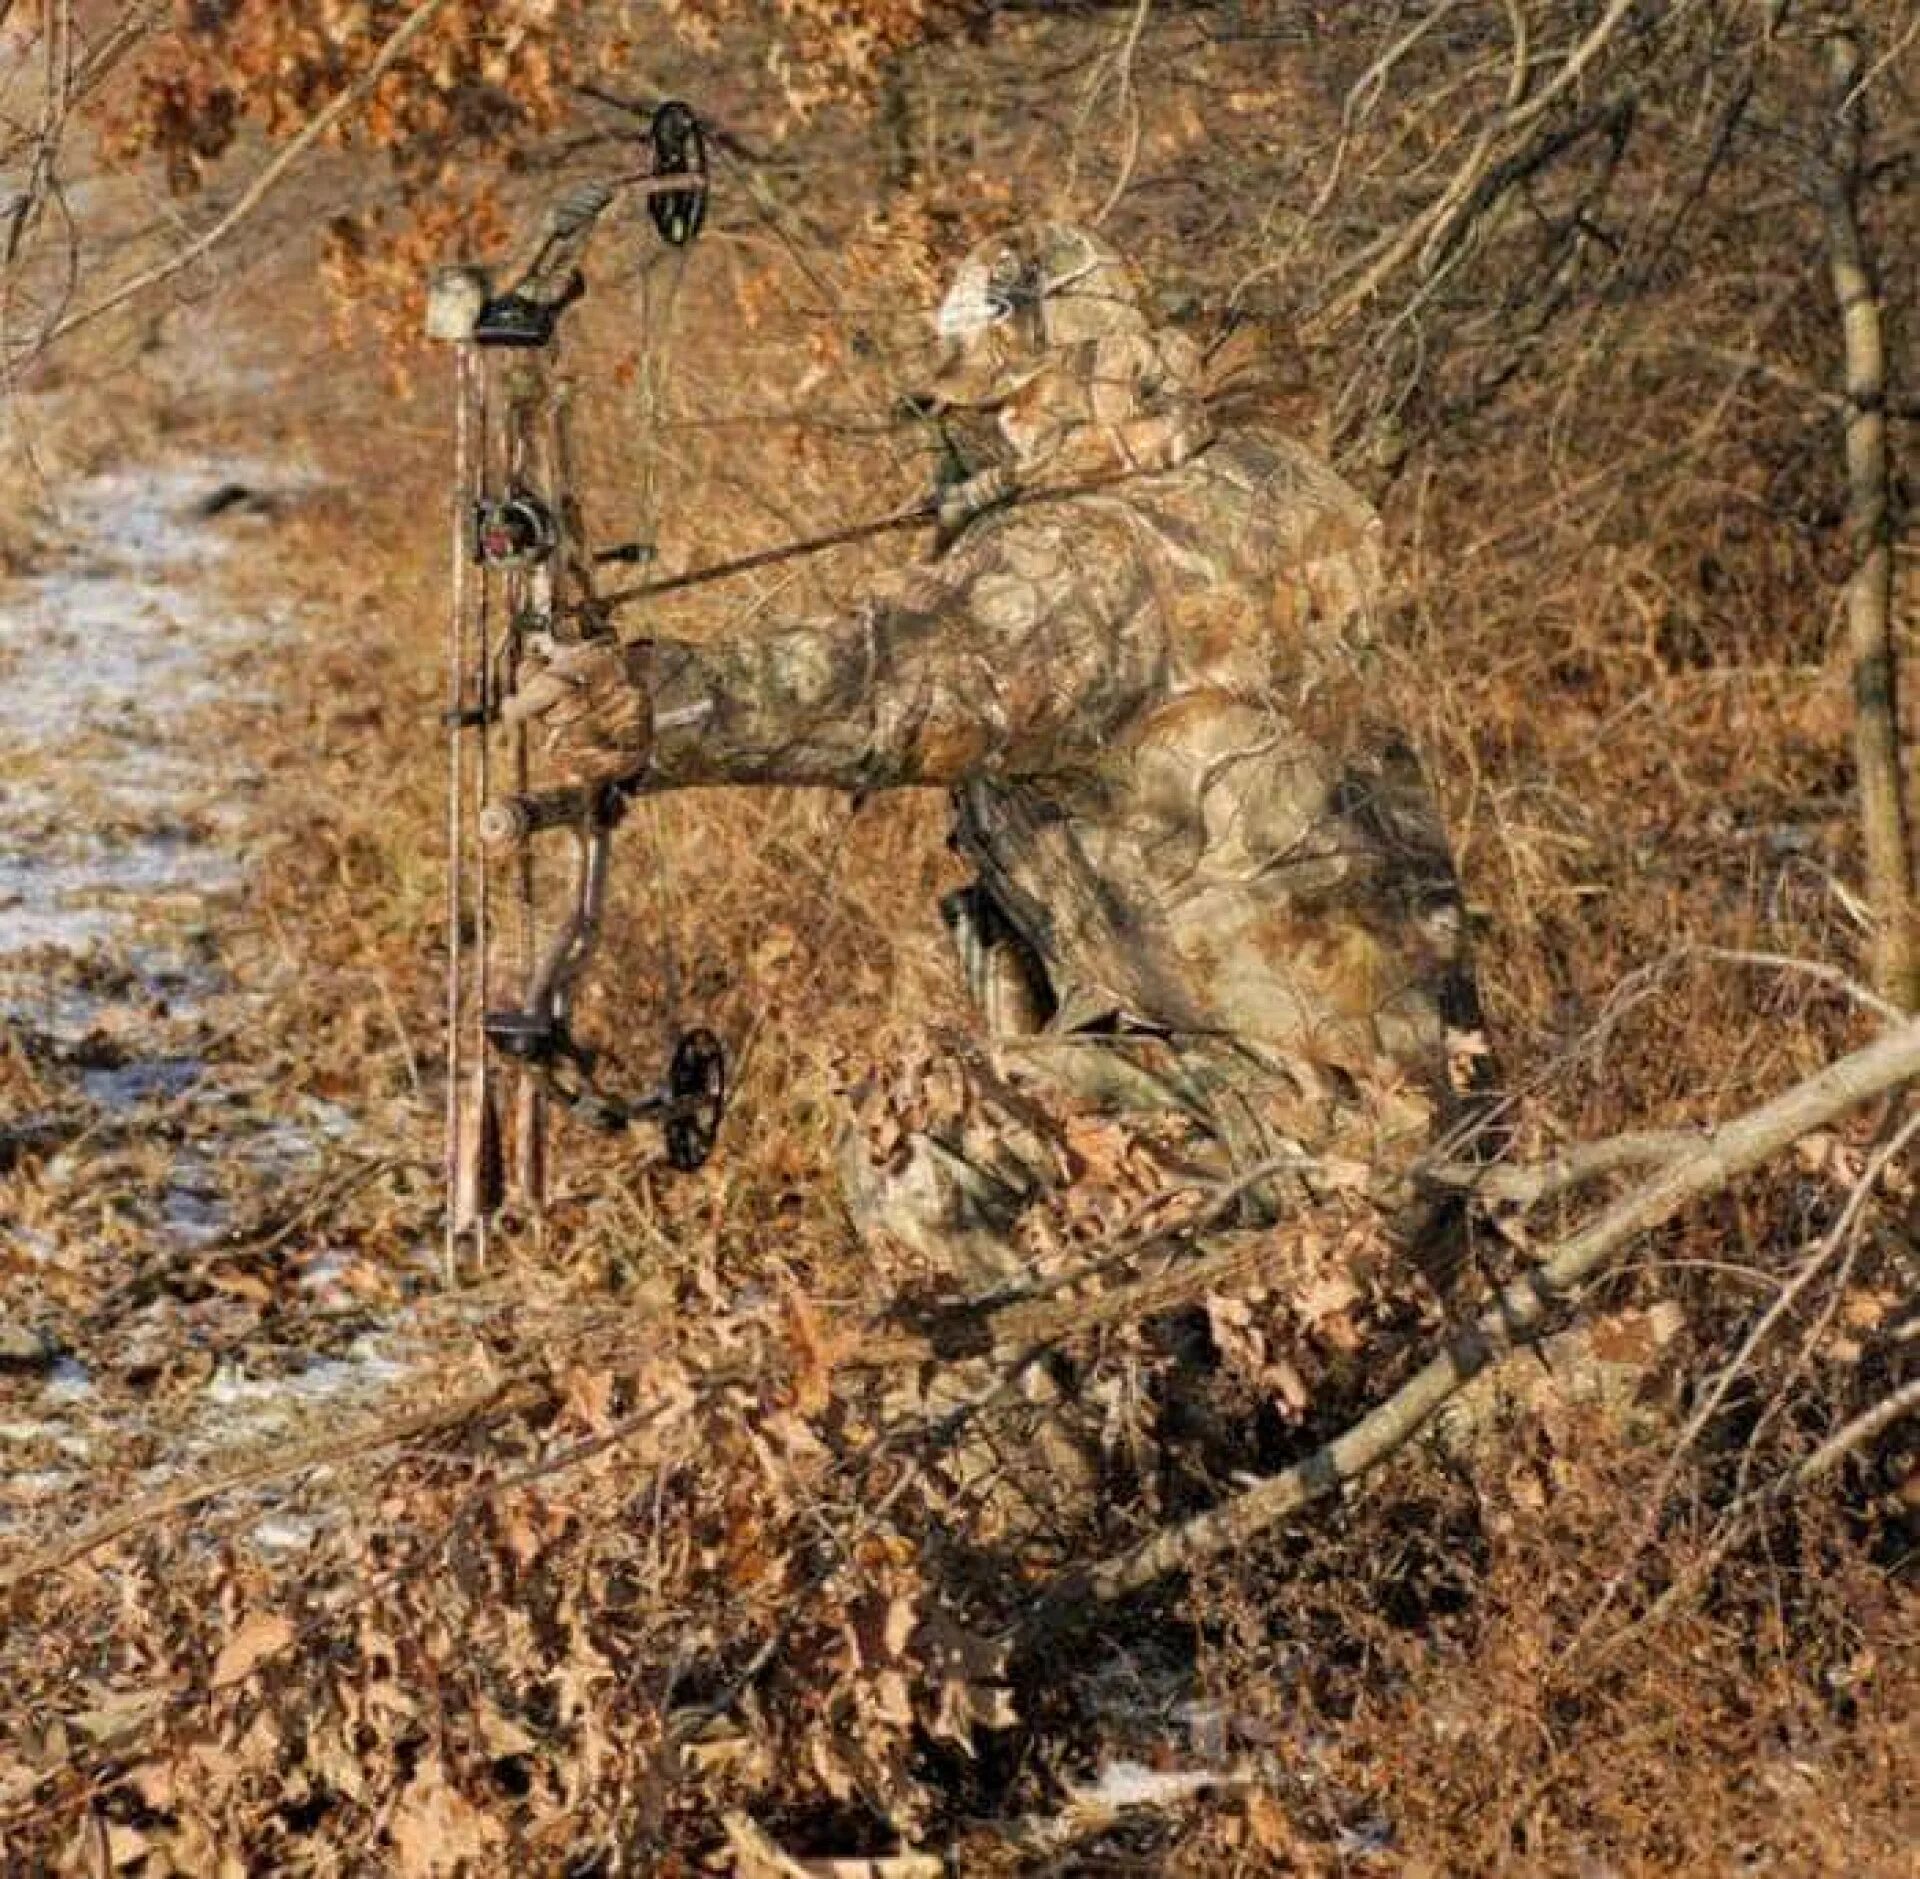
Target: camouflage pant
{"type": "Point", "coordinates": [1002, 1163]}
{"type": "Point", "coordinates": [983, 1158]}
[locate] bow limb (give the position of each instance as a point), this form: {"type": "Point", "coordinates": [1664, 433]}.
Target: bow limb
{"type": "Point", "coordinates": [472, 1125]}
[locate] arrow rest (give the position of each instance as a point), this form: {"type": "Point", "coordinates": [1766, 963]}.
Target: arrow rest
{"type": "Point", "coordinates": [523, 568]}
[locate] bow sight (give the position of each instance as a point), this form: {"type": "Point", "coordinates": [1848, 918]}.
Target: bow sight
{"type": "Point", "coordinates": [517, 532]}
{"type": "Point", "coordinates": [522, 584]}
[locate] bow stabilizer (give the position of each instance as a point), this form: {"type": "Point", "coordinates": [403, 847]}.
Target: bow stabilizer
{"type": "Point", "coordinates": [522, 582]}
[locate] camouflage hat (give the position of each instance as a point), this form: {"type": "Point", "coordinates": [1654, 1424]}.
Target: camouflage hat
{"type": "Point", "coordinates": [1022, 296]}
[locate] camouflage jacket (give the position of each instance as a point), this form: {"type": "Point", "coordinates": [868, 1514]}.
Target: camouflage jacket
{"type": "Point", "coordinates": [1150, 701]}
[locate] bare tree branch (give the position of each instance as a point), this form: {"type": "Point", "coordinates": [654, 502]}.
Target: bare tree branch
{"type": "Point", "coordinates": [264, 182]}
{"type": "Point", "coordinates": [1529, 1185]}
{"type": "Point", "coordinates": [1436, 225]}
{"type": "Point", "coordinates": [1521, 1309]}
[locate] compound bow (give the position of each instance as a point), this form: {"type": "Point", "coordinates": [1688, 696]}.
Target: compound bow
{"type": "Point", "coordinates": [523, 582]}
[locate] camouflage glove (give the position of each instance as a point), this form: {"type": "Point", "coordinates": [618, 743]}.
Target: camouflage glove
{"type": "Point", "coordinates": [595, 720]}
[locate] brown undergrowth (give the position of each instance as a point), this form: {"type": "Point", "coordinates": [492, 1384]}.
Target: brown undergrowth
{"type": "Point", "coordinates": [645, 1565]}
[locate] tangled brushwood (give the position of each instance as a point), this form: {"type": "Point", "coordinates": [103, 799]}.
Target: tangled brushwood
{"type": "Point", "coordinates": [694, 1533]}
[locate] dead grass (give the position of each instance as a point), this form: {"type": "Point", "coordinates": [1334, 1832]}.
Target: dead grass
{"type": "Point", "coordinates": [695, 1560]}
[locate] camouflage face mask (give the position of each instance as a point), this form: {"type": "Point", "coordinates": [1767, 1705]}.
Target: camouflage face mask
{"type": "Point", "coordinates": [1021, 297]}
{"type": "Point", "coordinates": [1045, 329]}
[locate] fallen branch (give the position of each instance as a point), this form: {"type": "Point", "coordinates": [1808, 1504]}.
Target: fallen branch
{"type": "Point", "coordinates": [1520, 1310]}
{"type": "Point", "coordinates": [1529, 1185]}
{"type": "Point", "coordinates": [1025, 1324]}
{"type": "Point", "coordinates": [988, 1327]}
{"type": "Point", "coordinates": [1716, 1157]}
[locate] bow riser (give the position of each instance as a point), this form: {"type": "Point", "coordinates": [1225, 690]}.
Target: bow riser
{"type": "Point", "coordinates": [523, 582]}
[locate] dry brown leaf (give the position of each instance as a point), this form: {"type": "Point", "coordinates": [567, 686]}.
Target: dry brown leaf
{"type": "Point", "coordinates": [756, 1855]}
{"type": "Point", "coordinates": [588, 1396]}
{"type": "Point", "coordinates": [1269, 1825]}
{"type": "Point", "coordinates": [1865, 1309]}
{"type": "Point", "coordinates": [192, 1848]}
{"type": "Point", "coordinates": [890, 1699]}
{"type": "Point", "coordinates": [334, 1763]}
{"type": "Point", "coordinates": [1328, 1296]}
{"type": "Point", "coordinates": [501, 1734]}
{"type": "Point", "coordinates": [258, 1636]}
{"type": "Point", "coordinates": [1289, 1386]}
{"type": "Point", "coordinates": [125, 1845]}
{"type": "Point", "coordinates": [436, 1829]}
{"type": "Point", "coordinates": [119, 1713]}
{"type": "Point", "coordinates": [812, 1353]}
{"type": "Point", "coordinates": [1343, 1174]}
{"type": "Point", "coordinates": [155, 1785]}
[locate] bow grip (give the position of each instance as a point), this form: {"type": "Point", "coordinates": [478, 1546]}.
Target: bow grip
{"type": "Point", "coordinates": [508, 821]}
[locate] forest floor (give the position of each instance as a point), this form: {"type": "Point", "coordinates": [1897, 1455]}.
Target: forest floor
{"type": "Point", "coordinates": [636, 1551]}
{"type": "Point", "coordinates": [144, 658]}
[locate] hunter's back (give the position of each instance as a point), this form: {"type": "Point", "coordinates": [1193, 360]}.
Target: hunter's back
{"type": "Point", "coordinates": [1251, 853]}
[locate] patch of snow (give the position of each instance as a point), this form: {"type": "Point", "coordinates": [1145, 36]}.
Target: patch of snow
{"type": "Point", "coordinates": [67, 1382]}
{"type": "Point", "coordinates": [1124, 1784]}
{"type": "Point", "coordinates": [40, 1484]}
{"type": "Point", "coordinates": [286, 1533]}
{"type": "Point", "coordinates": [120, 819]}
{"type": "Point", "coordinates": [106, 656]}
{"type": "Point", "coordinates": [321, 1381]}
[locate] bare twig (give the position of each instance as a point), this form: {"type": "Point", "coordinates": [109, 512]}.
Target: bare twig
{"type": "Point", "coordinates": [1844, 982]}
{"type": "Point", "coordinates": [382, 1432]}
{"type": "Point", "coordinates": [1435, 227]}
{"type": "Point", "coordinates": [1032, 1323]}
{"type": "Point", "coordinates": [1716, 1392]}
{"type": "Point", "coordinates": [1114, 68]}
{"type": "Point", "coordinates": [1850, 1436]}
{"type": "Point", "coordinates": [263, 184]}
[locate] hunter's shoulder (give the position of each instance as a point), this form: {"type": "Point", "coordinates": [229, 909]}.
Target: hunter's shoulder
{"type": "Point", "coordinates": [1278, 467]}
{"type": "Point", "coordinates": [1285, 507]}
{"type": "Point", "coordinates": [1068, 536]}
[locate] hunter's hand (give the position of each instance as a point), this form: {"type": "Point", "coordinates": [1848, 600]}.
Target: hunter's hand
{"type": "Point", "coordinates": [595, 723]}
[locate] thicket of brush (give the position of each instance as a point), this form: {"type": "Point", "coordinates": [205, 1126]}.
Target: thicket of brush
{"type": "Point", "coordinates": [687, 1570]}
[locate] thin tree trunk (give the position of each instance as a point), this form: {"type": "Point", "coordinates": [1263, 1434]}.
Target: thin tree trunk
{"type": "Point", "coordinates": [1876, 735]}
{"type": "Point", "coordinates": [1520, 1311]}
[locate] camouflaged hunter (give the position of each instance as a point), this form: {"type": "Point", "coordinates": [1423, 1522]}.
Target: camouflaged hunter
{"type": "Point", "coordinates": [1211, 886]}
